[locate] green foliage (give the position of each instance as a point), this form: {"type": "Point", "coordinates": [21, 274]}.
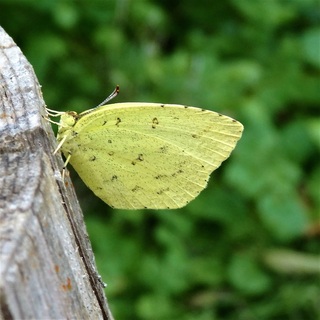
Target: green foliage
{"type": "Point", "coordinates": [257, 61]}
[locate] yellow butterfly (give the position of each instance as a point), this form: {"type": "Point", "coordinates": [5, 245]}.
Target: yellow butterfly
{"type": "Point", "coordinates": [146, 155]}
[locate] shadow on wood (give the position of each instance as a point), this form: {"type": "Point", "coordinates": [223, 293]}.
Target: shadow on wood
{"type": "Point", "coordinates": [47, 268]}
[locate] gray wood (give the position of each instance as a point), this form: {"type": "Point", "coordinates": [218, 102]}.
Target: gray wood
{"type": "Point", "coordinates": [47, 268]}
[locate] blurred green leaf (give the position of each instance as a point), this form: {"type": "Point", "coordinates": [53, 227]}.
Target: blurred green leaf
{"type": "Point", "coordinates": [311, 46]}
{"type": "Point", "coordinates": [314, 130]}
{"type": "Point", "coordinates": [283, 215]}
{"type": "Point", "coordinates": [245, 274]}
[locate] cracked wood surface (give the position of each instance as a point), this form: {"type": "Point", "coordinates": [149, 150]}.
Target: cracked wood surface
{"type": "Point", "coordinates": [47, 267]}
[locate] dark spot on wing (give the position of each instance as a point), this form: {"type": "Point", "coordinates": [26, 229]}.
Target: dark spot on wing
{"type": "Point", "coordinates": [160, 176]}
{"type": "Point", "coordinates": [163, 149]}
{"type": "Point", "coordinates": [177, 172]}
{"type": "Point", "coordinates": [92, 158]}
{"type": "Point", "coordinates": [109, 141]}
{"type": "Point", "coordinates": [136, 188]}
{"type": "Point", "coordinates": [139, 158]}
{"type": "Point", "coordinates": [161, 191]}
{"type": "Point", "coordinates": [114, 178]}
{"type": "Point", "coordinates": [104, 122]}
{"type": "Point", "coordinates": [118, 121]}
{"type": "Point", "coordinates": [155, 122]}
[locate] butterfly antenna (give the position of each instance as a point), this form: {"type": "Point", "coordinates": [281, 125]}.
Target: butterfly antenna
{"type": "Point", "coordinates": [112, 95]}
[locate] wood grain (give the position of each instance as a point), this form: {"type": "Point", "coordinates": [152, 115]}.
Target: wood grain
{"type": "Point", "coordinates": [47, 267]}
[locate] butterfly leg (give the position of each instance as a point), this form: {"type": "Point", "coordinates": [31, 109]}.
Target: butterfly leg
{"type": "Point", "coordinates": [60, 144]}
{"type": "Point", "coordinates": [65, 166]}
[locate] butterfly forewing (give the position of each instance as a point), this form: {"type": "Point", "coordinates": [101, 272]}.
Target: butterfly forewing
{"type": "Point", "coordinates": [146, 155]}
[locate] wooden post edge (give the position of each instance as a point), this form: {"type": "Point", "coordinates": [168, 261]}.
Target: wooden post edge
{"type": "Point", "coordinates": [47, 267]}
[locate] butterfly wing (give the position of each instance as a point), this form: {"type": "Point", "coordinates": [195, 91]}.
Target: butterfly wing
{"type": "Point", "coordinates": [147, 155]}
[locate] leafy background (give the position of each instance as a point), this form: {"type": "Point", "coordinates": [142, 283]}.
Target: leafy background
{"type": "Point", "coordinates": [247, 247]}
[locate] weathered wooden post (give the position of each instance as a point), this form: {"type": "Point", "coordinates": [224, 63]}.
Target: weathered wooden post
{"type": "Point", "coordinates": [47, 268]}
